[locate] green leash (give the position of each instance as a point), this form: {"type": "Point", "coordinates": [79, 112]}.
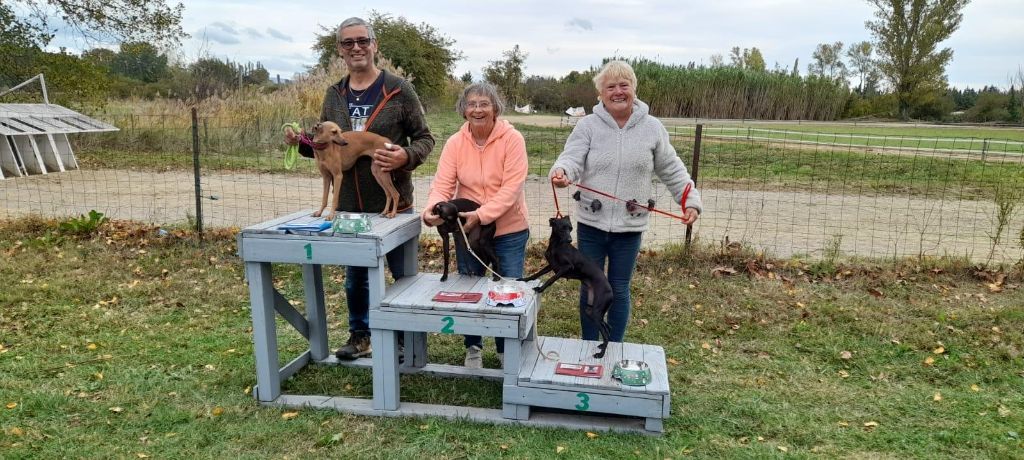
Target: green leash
{"type": "Point", "coordinates": [292, 154]}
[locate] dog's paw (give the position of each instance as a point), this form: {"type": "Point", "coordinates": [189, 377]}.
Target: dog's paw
{"type": "Point", "coordinates": [318, 213]}
{"type": "Point", "coordinates": [444, 277]}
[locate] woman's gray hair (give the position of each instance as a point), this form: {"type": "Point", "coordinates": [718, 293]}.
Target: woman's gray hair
{"type": "Point", "coordinates": [353, 22]}
{"type": "Point", "coordinates": [481, 89]}
{"type": "Point", "coordinates": [616, 70]}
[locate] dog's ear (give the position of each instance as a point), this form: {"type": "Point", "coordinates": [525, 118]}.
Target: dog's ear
{"type": "Point", "coordinates": [339, 139]}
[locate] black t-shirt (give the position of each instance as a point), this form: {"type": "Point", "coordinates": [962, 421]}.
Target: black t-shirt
{"type": "Point", "coordinates": [362, 103]}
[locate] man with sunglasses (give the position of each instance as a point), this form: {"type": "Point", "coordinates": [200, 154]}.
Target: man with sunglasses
{"type": "Point", "coordinates": [371, 99]}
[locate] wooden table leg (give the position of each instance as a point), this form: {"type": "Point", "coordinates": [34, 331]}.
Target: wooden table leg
{"type": "Point", "coordinates": [264, 330]}
{"type": "Point", "coordinates": [316, 311]}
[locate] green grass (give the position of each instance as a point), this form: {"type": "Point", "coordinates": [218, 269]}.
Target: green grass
{"type": "Point", "coordinates": [127, 344]}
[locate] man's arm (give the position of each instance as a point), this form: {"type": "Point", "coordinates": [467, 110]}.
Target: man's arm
{"type": "Point", "coordinates": [414, 124]}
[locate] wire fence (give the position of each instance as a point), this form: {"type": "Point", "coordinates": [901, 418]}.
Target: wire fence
{"type": "Point", "coordinates": [788, 193]}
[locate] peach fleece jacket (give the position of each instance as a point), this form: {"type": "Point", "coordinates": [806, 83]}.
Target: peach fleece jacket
{"type": "Point", "coordinates": [492, 175]}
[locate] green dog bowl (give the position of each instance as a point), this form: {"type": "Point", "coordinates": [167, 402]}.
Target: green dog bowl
{"type": "Point", "coordinates": [631, 372]}
{"type": "Point", "coordinates": [351, 223]}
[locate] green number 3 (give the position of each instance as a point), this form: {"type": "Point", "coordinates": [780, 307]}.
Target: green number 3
{"type": "Point", "coordinates": [309, 251]}
{"type": "Point", "coordinates": [584, 401]}
{"type": "Point", "coordinates": [448, 323]}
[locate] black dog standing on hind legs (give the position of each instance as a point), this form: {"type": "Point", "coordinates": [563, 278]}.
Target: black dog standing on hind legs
{"type": "Point", "coordinates": [568, 262]}
{"type": "Point", "coordinates": [481, 237]}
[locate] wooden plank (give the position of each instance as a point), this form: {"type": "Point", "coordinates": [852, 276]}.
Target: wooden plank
{"type": "Point", "coordinates": [654, 356]}
{"type": "Point", "coordinates": [309, 250]}
{"type": "Point", "coordinates": [316, 310]}
{"type": "Point", "coordinates": [294, 366]}
{"type": "Point", "coordinates": [264, 330]}
{"type": "Point", "coordinates": [260, 227]}
{"type": "Point", "coordinates": [291, 315]}
{"type": "Point", "coordinates": [408, 231]}
{"type": "Point", "coordinates": [398, 287]}
{"type": "Point", "coordinates": [386, 383]}
{"type": "Point", "coordinates": [580, 399]}
{"type": "Point", "coordinates": [530, 356]}
{"type": "Point", "coordinates": [452, 323]}
{"type": "Point", "coordinates": [358, 406]}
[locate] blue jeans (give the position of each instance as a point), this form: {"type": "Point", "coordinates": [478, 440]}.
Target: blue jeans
{"type": "Point", "coordinates": [620, 251]}
{"type": "Point", "coordinates": [511, 251]}
{"type": "Point", "coordinates": [357, 288]}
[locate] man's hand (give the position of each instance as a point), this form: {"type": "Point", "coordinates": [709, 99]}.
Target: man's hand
{"type": "Point", "coordinates": [559, 179]}
{"type": "Point", "coordinates": [390, 160]}
{"type": "Point", "coordinates": [690, 216]}
{"type": "Point", "coordinates": [432, 220]}
{"type": "Point", "coordinates": [472, 220]}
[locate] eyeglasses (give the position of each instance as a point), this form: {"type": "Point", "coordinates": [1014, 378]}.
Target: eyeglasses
{"type": "Point", "coordinates": [349, 44]}
{"type": "Point", "coordinates": [484, 105]}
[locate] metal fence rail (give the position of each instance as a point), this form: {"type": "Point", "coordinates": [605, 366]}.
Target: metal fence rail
{"type": "Point", "coordinates": [814, 194]}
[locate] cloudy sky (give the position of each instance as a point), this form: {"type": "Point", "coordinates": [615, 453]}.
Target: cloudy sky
{"type": "Point", "coordinates": [561, 36]}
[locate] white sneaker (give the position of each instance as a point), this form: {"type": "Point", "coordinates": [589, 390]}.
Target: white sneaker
{"type": "Point", "coordinates": [501, 359]}
{"type": "Point", "coordinates": [474, 357]}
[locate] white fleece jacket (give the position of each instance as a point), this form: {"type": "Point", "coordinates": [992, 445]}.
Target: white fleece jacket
{"type": "Point", "coordinates": [620, 161]}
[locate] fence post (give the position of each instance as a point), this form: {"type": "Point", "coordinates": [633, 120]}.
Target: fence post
{"type": "Point", "coordinates": [984, 148]}
{"type": "Point", "coordinates": [694, 169]}
{"type": "Point", "coordinates": [195, 172]}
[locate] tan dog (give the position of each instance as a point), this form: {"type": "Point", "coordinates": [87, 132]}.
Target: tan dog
{"type": "Point", "coordinates": [336, 151]}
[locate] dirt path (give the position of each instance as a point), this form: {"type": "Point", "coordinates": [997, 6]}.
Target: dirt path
{"type": "Point", "coordinates": [782, 223]}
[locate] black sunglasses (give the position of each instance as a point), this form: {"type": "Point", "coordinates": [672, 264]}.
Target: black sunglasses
{"type": "Point", "coordinates": [349, 44]}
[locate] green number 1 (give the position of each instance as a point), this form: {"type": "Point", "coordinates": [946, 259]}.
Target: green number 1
{"type": "Point", "coordinates": [448, 323]}
{"type": "Point", "coordinates": [584, 401]}
{"type": "Point", "coordinates": [309, 251]}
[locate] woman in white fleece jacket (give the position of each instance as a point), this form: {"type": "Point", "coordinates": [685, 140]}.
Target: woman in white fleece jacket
{"type": "Point", "coordinates": [616, 150]}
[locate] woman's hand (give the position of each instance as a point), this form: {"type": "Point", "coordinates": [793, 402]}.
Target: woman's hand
{"type": "Point", "coordinates": [472, 220]}
{"type": "Point", "coordinates": [690, 216]}
{"type": "Point", "coordinates": [432, 220]}
{"type": "Point", "coordinates": [559, 179]}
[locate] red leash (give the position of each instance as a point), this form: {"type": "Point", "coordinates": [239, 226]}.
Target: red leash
{"type": "Point", "coordinates": [558, 210]}
{"type": "Point", "coordinates": [682, 202]}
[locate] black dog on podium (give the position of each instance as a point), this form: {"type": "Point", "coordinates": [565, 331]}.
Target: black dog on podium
{"type": "Point", "coordinates": [481, 237]}
{"type": "Point", "coordinates": [568, 262]}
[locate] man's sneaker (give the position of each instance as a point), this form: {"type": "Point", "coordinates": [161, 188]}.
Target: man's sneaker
{"type": "Point", "coordinates": [358, 346]}
{"type": "Point", "coordinates": [474, 357]}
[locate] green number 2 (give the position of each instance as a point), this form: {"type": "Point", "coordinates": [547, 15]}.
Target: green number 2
{"type": "Point", "coordinates": [448, 323]}
{"type": "Point", "coordinates": [584, 401]}
{"type": "Point", "coordinates": [309, 251]}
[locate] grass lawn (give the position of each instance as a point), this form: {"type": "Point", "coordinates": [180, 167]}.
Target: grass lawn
{"type": "Point", "coordinates": [125, 344]}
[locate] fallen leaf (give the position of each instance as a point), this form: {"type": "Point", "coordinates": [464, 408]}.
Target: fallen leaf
{"type": "Point", "coordinates": [844, 374]}
{"type": "Point", "coordinates": [217, 411]}
{"type": "Point", "coordinates": [783, 448]}
{"type": "Point", "coordinates": [1003, 411]}
{"type": "Point", "coordinates": [845, 355]}
{"type": "Point", "coordinates": [209, 367]}
{"type": "Point", "coordinates": [672, 361]}
{"type": "Point", "coordinates": [975, 387]}
{"type": "Point", "coordinates": [141, 455]}
{"type": "Point", "coordinates": [559, 449]}
{"type": "Point", "coordinates": [247, 390]}
{"type": "Point", "coordinates": [929, 361]}
{"type": "Point", "coordinates": [706, 346]}
{"type": "Point", "coordinates": [289, 415]}
{"type": "Point", "coordinates": [17, 431]}
{"type": "Point", "coordinates": [722, 270]}
{"type": "Point", "coordinates": [937, 397]}
{"type": "Point", "coordinates": [870, 424]}
{"type": "Point", "coordinates": [876, 292]}
{"type": "Point", "coordinates": [12, 405]}
{"type": "Point", "coordinates": [116, 409]}
{"type": "Point", "coordinates": [91, 346]}
{"type": "Point", "coordinates": [842, 423]}
{"type": "Point", "coordinates": [504, 447]}
{"type": "Point", "coordinates": [939, 350]}
{"type": "Point", "coordinates": [591, 435]}
{"type": "Point", "coordinates": [760, 438]}
{"type": "Point", "coordinates": [424, 427]}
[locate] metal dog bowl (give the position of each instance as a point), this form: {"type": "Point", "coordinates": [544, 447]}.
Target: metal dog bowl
{"type": "Point", "coordinates": [350, 222]}
{"type": "Point", "coordinates": [507, 294]}
{"type": "Point", "coordinates": [632, 372]}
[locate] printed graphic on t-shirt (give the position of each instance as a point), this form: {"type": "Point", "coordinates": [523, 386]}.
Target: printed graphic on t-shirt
{"type": "Point", "coordinates": [359, 114]}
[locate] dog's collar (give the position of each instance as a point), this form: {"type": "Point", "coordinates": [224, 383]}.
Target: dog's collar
{"type": "Point", "coordinates": [319, 145]}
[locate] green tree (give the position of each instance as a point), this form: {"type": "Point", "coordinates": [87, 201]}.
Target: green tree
{"type": "Point", "coordinates": [467, 77]}
{"type": "Point", "coordinates": [1013, 106]}
{"type": "Point", "coordinates": [112, 21]}
{"type": "Point", "coordinates": [907, 34]}
{"type": "Point", "coordinates": [990, 106]}
{"type": "Point", "coordinates": [753, 60]}
{"type": "Point", "coordinates": [210, 76]}
{"type": "Point", "coordinates": [141, 61]}
{"type": "Point", "coordinates": [827, 61]}
{"type": "Point", "coordinates": [860, 61]}
{"type": "Point", "coordinates": [507, 74]}
{"type": "Point", "coordinates": [425, 55]}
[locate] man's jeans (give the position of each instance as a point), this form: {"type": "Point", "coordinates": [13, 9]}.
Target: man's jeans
{"type": "Point", "coordinates": [357, 288]}
{"type": "Point", "coordinates": [511, 251]}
